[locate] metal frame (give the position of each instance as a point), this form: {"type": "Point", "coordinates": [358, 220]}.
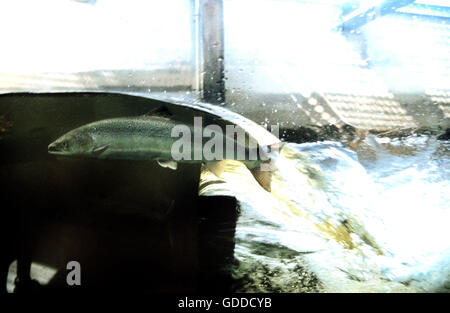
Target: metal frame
{"type": "Point", "coordinates": [360, 17]}
{"type": "Point", "coordinates": [212, 50]}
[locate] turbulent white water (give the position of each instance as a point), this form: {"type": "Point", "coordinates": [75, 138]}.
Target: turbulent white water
{"type": "Point", "coordinates": [336, 220]}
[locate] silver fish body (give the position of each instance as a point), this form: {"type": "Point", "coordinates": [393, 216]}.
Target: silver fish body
{"type": "Point", "coordinates": [139, 138]}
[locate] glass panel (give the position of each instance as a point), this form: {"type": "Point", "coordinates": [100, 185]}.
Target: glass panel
{"type": "Point", "coordinates": [370, 64]}
{"type": "Point", "coordinates": [97, 45]}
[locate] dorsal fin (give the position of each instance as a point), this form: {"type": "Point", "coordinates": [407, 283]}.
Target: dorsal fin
{"type": "Point", "coordinates": [162, 111]}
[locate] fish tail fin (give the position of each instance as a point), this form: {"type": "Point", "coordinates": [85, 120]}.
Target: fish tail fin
{"type": "Point", "coordinates": [270, 151]}
{"type": "Point", "coordinates": [269, 154]}
{"type": "Point", "coordinates": [276, 147]}
{"type": "Point", "coordinates": [263, 173]}
{"type": "Point", "coordinates": [264, 178]}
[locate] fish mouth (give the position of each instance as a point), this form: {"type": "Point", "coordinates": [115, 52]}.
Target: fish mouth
{"type": "Point", "coordinates": [53, 149]}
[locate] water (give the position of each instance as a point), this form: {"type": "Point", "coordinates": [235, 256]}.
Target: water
{"type": "Point", "coordinates": [373, 218]}
{"type": "Point", "coordinates": [370, 218]}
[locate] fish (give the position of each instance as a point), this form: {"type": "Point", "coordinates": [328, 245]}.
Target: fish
{"type": "Point", "coordinates": [150, 137]}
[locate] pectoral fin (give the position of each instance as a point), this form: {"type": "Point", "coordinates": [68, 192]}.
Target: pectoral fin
{"type": "Point", "coordinates": [170, 164]}
{"type": "Point", "coordinates": [99, 150]}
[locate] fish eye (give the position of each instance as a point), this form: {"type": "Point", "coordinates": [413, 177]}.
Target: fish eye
{"type": "Point", "coordinates": [65, 144]}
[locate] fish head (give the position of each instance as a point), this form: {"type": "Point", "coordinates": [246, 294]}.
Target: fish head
{"type": "Point", "coordinates": [79, 142]}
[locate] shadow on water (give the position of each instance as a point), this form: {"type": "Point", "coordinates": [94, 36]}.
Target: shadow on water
{"type": "Point", "coordinates": [132, 226]}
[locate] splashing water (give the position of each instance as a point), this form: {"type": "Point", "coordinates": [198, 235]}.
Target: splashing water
{"type": "Point", "coordinates": [337, 220]}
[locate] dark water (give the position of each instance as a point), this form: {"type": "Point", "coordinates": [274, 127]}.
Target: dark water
{"type": "Point", "coordinates": [131, 225]}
